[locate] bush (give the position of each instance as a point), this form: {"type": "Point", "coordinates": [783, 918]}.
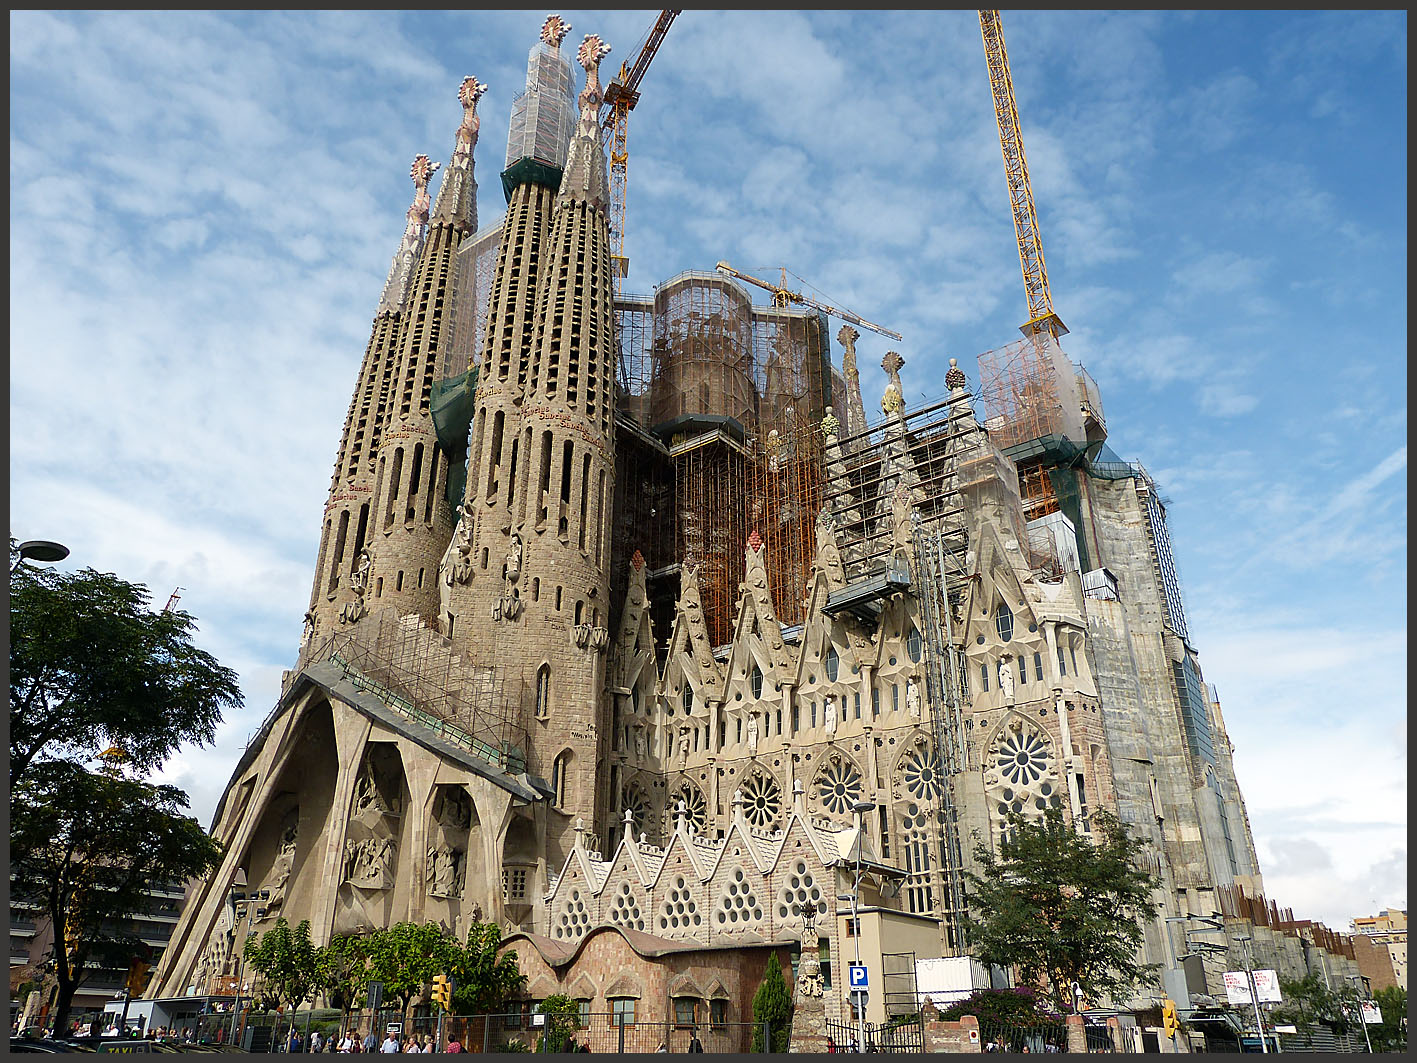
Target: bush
{"type": "Point", "coordinates": [772, 1004]}
{"type": "Point", "coordinates": [1013, 1006]}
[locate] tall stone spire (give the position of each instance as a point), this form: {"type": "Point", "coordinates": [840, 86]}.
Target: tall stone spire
{"type": "Point", "coordinates": [855, 411]}
{"type": "Point", "coordinates": [397, 285]}
{"type": "Point", "coordinates": [410, 521]}
{"type": "Point", "coordinates": [584, 177]}
{"type": "Point", "coordinates": [336, 591]}
{"type": "Point", "coordinates": [457, 198]}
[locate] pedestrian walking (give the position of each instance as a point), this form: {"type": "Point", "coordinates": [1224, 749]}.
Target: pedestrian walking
{"type": "Point", "coordinates": [371, 1042]}
{"type": "Point", "coordinates": [391, 1043]}
{"type": "Point", "coordinates": [317, 1043]}
{"type": "Point", "coordinates": [695, 1045]}
{"type": "Point", "coordinates": [454, 1046]}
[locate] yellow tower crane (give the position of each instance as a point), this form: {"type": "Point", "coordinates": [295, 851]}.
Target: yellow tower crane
{"type": "Point", "coordinates": [1041, 317]}
{"type": "Point", "coordinates": [621, 96]}
{"type": "Point", "coordinates": [782, 296]}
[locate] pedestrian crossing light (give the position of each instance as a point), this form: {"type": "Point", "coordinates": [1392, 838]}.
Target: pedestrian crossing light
{"type": "Point", "coordinates": [1169, 1022]}
{"type": "Point", "coordinates": [442, 991]}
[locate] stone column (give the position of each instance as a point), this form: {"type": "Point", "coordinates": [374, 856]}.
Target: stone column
{"type": "Point", "coordinates": [1077, 1034]}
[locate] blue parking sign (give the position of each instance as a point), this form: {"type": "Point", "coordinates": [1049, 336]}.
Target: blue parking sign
{"type": "Point", "coordinates": [857, 976]}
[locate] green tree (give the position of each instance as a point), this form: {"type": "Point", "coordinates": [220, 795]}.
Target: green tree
{"type": "Point", "coordinates": [1062, 909]}
{"type": "Point", "coordinates": [1309, 1002]}
{"type": "Point", "coordinates": [85, 848]}
{"type": "Point", "coordinates": [484, 980]}
{"type": "Point", "coordinates": [285, 960]}
{"type": "Point", "coordinates": [342, 971]}
{"type": "Point", "coordinates": [563, 1018]}
{"type": "Point", "coordinates": [1391, 1034]}
{"type": "Point", "coordinates": [406, 956]}
{"type": "Point", "coordinates": [91, 666]}
{"type": "Point", "coordinates": [772, 1004]}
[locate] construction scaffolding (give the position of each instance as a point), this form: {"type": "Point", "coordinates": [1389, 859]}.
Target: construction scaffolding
{"type": "Point", "coordinates": [735, 393]}
{"type": "Point", "coordinates": [1029, 391]}
{"type": "Point", "coordinates": [413, 671]}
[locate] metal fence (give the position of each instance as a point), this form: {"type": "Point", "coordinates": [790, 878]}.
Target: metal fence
{"type": "Point", "coordinates": [1037, 1037]}
{"type": "Point", "coordinates": [905, 1035]}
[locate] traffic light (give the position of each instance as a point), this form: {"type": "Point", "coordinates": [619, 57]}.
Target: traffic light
{"type": "Point", "coordinates": [1169, 1022]}
{"type": "Point", "coordinates": [442, 991]}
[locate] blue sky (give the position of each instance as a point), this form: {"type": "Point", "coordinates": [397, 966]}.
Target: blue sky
{"type": "Point", "coordinates": [203, 208]}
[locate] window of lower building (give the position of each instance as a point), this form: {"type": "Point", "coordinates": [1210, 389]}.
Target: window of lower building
{"type": "Point", "coordinates": [858, 704]}
{"type": "Point", "coordinates": [1062, 664]}
{"type": "Point", "coordinates": [622, 1011]}
{"type": "Point", "coordinates": [585, 1011]}
{"type": "Point", "coordinates": [718, 1012]}
{"type": "Point", "coordinates": [825, 955]}
{"type": "Point", "coordinates": [685, 1009]}
{"type": "Point", "coordinates": [1022, 669]}
{"type": "Point", "coordinates": [1038, 666]}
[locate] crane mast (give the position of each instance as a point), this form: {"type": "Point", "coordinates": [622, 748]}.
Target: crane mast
{"type": "Point", "coordinates": [621, 97]}
{"type": "Point", "coordinates": [782, 296]}
{"type": "Point", "coordinates": [1041, 317]}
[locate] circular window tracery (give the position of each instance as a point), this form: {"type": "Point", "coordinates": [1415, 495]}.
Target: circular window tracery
{"type": "Point", "coordinates": [626, 911]}
{"type": "Point", "coordinates": [635, 801]}
{"type": "Point", "coordinates": [762, 801]}
{"type": "Point", "coordinates": [799, 892]}
{"type": "Point", "coordinates": [839, 785]}
{"type": "Point", "coordinates": [921, 777]}
{"type": "Point", "coordinates": [680, 911]}
{"type": "Point", "coordinates": [695, 807]}
{"type": "Point", "coordinates": [1021, 756]}
{"type": "Point", "coordinates": [575, 918]}
{"type": "Point", "coordinates": [739, 905]}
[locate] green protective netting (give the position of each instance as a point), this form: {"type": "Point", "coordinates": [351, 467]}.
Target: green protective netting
{"type": "Point", "coordinates": [1065, 488]}
{"type": "Point", "coordinates": [451, 405]}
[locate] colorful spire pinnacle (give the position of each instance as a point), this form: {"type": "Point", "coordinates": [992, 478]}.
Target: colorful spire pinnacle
{"type": "Point", "coordinates": [404, 258]}
{"type": "Point", "coordinates": [584, 176]}
{"type": "Point", "coordinates": [554, 30]}
{"type": "Point", "coordinates": [457, 198]}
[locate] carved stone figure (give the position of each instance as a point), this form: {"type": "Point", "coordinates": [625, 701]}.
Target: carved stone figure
{"type": "Point", "coordinates": [444, 871]}
{"type": "Point", "coordinates": [307, 636]}
{"type": "Point", "coordinates": [912, 698]}
{"type": "Point", "coordinates": [683, 747]}
{"type": "Point", "coordinates": [809, 972]}
{"type": "Point", "coordinates": [514, 558]}
{"type": "Point", "coordinates": [284, 863]}
{"type": "Point", "coordinates": [370, 863]}
{"type": "Point", "coordinates": [359, 583]}
{"type": "Point", "coordinates": [1006, 678]}
{"type": "Point", "coordinates": [457, 561]}
{"type": "Point", "coordinates": [829, 716]}
{"type": "Point", "coordinates": [893, 398]}
{"type": "Point", "coordinates": [830, 427]}
{"type": "Point", "coordinates": [640, 746]}
{"type": "Point", "coordinates": [753, 734]}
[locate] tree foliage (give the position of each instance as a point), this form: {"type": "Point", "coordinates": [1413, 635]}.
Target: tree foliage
{"type": "Point", "coordinates": [285, 959]}
{"type": "Point", "coordinates": [772, 1003]}
{"type": "Point", "coordinates": [563, 1018]}
{"type": "Point", "coordinates": [1391, 1034]}
{"type": "Point", "coordinates": [91, 666]}
{"type": "Point", "coordinates": [483, 979]}
{"type": "Point", "coordinates": [406, 956]}
{"type": "Point", "coordinates": [86, 847]}
{"type": "Point", "coordinates": [1019, 1006]}
{"type": "Point", "coordinates": [1062, 909]}
{"type": "Point", "coordinates": [342, 970]}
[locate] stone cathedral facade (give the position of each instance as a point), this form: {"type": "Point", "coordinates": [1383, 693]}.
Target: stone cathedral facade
{"type": "Point", "coordinates": [514, 702]}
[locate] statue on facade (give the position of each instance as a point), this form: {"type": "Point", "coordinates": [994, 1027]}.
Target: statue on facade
{"type": "Point", "coordinates": [912, 698]}
{"type": "Point", "coordinates": [640, 743]}
{"type": "Point", "coordinates": [283, 864]}
{"type": "Point", "coordinates": [457, 560]}
{"type": "Point", "coordinates": [442, 871]}
{"type": "Point", "coordinates": [829, 716]}
{"type": "Point", "coordinates": [1006, 677]}
{"type": "Point", "coordinates": [893, 399]}
{"type": "Point", "coordinates": [514, 559]}
{"type": "Point", "coordinates": [752, 734]}
{"type": "Point", "coordinates": [359, 583]}
{"type": "Point", "coordinates": [307, 635]}
{"type": "Point", "coordinates": [683, 746]}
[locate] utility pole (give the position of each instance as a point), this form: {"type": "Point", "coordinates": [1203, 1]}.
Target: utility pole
{"type": "Point", "coordinates": [1254, 991]}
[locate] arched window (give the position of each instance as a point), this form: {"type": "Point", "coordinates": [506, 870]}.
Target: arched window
{"type": "Point", "coordinates": [914, 644]}
{"type": "Point", "coordinates": [543, 692]}
{"type": "Point", "coordinates": [688, 698]}
{"type": "Point", "coordinates": [757, 681]}
{"type": "Point", "coordinates": [560, 778]}
{"type": "Point", "coordinates": [833, 663]}
{"type": "Point", "coordinates": [1004, 621]}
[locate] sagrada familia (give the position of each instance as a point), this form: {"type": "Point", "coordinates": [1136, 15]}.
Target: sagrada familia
{"type": "Point", "coordinates": [627, 619]}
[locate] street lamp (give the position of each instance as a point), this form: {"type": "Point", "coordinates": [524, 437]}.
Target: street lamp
{"type": "Point", "coordinates": [237, 882]}
{"type": "Point", "coordinates": [859, 808]}
{"type": "Point", "coordinates": [39, 550]}
{"type": "Point", "coordinates": [1244, 939]}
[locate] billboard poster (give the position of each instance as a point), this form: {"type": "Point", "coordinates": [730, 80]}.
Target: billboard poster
{"type": "Point", "coordinates": [1371, 1014]}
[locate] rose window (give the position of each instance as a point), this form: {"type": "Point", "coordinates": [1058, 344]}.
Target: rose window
{"type": "Point", "coordinates": [839, 786]}
{"type": "Point", "coordinates": [762, 801]}
{"type": "Point", "coordinates": [739, 905]}
{"type": "Point", "coordinates": [1022, 758]}
{"type": "Point", "coordinates": [633, 800]}
{"type": "Point", "coordinates": [695, 808]}
{"type": "Point", "coordinates": [921, 776]}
